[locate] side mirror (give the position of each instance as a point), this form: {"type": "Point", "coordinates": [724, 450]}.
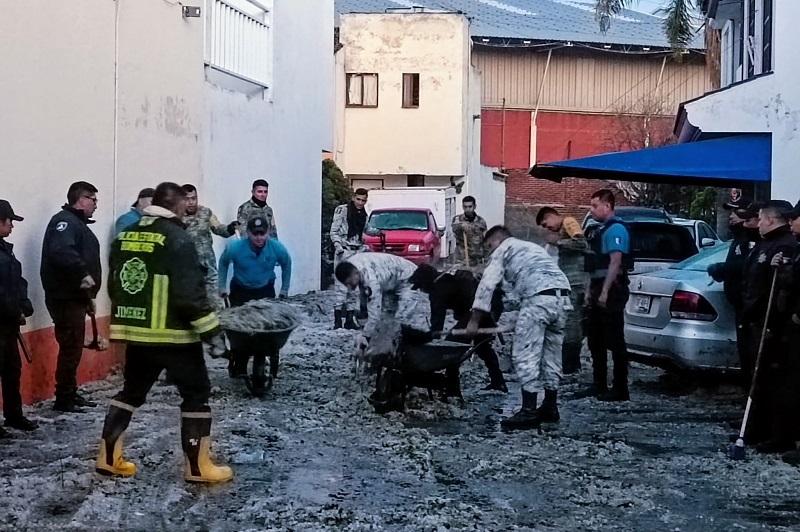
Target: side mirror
{"type": "Point", "coordinates": [440, 231]}
{"type": "Point", "coordinates": [372, 231]}
{"type": "Point", "coordinates": [707, 242]}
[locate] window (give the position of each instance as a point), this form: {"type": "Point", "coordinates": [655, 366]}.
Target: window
{"type": "Point", "coordinates": [416, 180]}
{"type": "Point", "coordinates": [726, 55]}
{"type": "Point", "coordinates": [362, 90]}
{"type": "Point", "coordinates": [758, 36]}
{"type": "Point", "coordinates": [238, 39]}
{"type": "Point", "coordinates": [410, 91]}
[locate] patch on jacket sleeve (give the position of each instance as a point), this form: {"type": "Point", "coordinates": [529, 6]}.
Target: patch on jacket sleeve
{"type": "Point", "coordinates": [61, 226]}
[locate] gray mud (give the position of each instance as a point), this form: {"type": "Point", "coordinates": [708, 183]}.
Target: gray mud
{"type": "Point", "coordinates": [313, 456]}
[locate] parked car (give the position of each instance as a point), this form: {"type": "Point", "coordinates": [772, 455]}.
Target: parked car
{"type": "Point", "coordinates": [409, 233]}
{"type": "Point", "coordinates": [656, 242]}
{"type": "Point", "coordinates": [680, 318]}
{"type": "Point", "coordinates": [703, 234]}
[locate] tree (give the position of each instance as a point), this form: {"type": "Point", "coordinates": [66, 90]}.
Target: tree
{"type": "Point", "coordinates": [680, 17]}
{"type": "Point", "coordinates": [335, 191]}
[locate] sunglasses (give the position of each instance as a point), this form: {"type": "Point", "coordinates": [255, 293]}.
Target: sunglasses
{"type": "Point", "coordinates": [93, 198]}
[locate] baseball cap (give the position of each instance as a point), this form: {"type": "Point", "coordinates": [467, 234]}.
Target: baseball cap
{"type": "Point", "coordinates": [144, 193]}
{"type": "Point", "coordinates": [741, 203]}
{"type": "Point", "coordinates": [795, 212]}
{"type": "Point", "coordinates": [7, 213]}
{"type": "Point", "coordinates": [257, 224]}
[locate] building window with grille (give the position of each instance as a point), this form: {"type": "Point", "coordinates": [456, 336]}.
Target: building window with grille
{"type": "Point", "coordinates": [410, 91]}
{"type": "Point", "coordinates": [362, 90]}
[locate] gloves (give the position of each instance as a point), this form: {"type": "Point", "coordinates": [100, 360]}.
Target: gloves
{"type": "Point", "coordinates": [216, 346]}
{"type": "Point", "coordinates": [232, 227]}
{"type": "Point", "coordinates": [717, 271]}
{"type": "Point", "coordinates": [87, 282]}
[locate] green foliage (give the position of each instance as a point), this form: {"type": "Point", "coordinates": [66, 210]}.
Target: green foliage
{"type": "Point", "coordinates": [697, 203]}
{"type": "Point", "coordinates": [335, 191]}
{"type": "Point", "coordinates": [679, 18]}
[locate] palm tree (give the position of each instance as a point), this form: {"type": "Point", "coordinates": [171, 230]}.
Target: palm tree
{"type": "Point", "coordinates": [679, 18]}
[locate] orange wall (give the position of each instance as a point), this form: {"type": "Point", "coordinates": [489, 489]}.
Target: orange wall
{"type": "Point", "coordinates": [38, 378]}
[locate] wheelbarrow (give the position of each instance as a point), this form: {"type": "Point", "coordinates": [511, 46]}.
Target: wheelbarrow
{"type": "Point", "coordinates": [261, 344]}
{"type": "Point", "coordinates": [419, 365]}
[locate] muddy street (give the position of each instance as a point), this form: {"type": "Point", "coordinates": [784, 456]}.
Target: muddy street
{"type": "Point", "coordinates": [313, 455]}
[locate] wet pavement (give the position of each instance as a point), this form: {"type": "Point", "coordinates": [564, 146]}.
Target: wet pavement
{"type": "Point", "coordinates": [314, 456]}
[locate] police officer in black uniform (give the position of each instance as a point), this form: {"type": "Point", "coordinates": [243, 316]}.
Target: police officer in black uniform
{"type": "Point", "coordinates": [456, 292]}
{"type": "Point", "coordinates": [14, 308]}
{"type": "Point", "coordinates": [71, 277]}
{"type": "Point", "coordinates": [743, 223]}
{"type": "Point", "coordinates": [757, 281]}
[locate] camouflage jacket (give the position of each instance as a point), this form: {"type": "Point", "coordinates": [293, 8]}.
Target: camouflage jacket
{"type": "Point", "coordinates": [572, 248]}
{"type": "Point", "coordinates": [339, 229]}
{"type": "Point", "coordinates": [474, 231]}
{"type": "Point", "coordinates": [250, 209]}
{"type": "Point", "coordinates": [381, 274]}
{"type": "Point", "coordinates": [526, 268]}
{"type": "Point", "coordinates": [200, 226]}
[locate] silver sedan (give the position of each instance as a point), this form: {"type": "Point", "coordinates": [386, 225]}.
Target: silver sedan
{"type": "Point", "coordinates": [680, 318]}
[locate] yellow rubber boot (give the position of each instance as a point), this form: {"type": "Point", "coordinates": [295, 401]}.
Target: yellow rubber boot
{"type": "Point", "coordinates": [196, 441]}
{"type": "Point", "coordinates": [109, 459]}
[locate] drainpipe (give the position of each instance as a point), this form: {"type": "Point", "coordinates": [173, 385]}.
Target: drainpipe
{"type": "Point", "coordinates": [503, 137]}
{"type": "Point", "coordinates": [656, 92]}
{"type": "Point", "coordinates": [116, 109]}
{"type": "Point", "coordinates": [535, 114]}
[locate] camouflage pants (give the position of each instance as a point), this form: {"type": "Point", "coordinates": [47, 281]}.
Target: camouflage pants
{"type": "Point", "coordinates": [573, 332]}
{"type": "Point", "coordinates": [212, 288]}
{"type": "Point", "coordinates": [344, 297]}
{"type": "Point", "coordinates": [538, 339]}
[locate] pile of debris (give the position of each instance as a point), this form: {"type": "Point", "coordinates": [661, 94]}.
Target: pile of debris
{"type": "Point", "coordinates": [261, 315]}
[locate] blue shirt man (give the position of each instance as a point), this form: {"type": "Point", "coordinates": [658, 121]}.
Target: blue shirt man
{"type": "Point", "coordinates": [254, 259]}
{"type": "Point", "coordinates": [135, 214]}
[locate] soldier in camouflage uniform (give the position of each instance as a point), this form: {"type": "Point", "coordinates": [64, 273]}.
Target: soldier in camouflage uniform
{"type": "Point", "coordinates": [257, 206]}
{"type": "Point", "coordinates": [381, 281]}
{"type": "Point", "coordinates": [347, 236]}
{"type": "Point", "coordinates": [567, 242]}
{"type": "Point", "coordinates": [468, 231]}
{"type": "Point", "coordinates": [200, 222]}
{"type": "Point", "coordinates": [543, 292]}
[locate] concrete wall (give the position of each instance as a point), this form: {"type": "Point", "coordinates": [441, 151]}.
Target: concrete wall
{"type": "Point", "coordinates": [766, 104]}
{"type": "Point", "coordinates": [390, 139]}
{"type": "Point", "coordinates": [119, 97]}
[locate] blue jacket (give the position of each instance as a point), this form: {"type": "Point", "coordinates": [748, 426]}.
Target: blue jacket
{"type": "Point", "coordinates": [126, 220]}
{"type": "Point", "coordinates": [255, 270]}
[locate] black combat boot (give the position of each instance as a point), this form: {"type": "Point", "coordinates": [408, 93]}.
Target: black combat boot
{"type": "Point", "coordinates": [571, 358]}
{"type": "Point", "coordinates": [615, 394]}
{"type": "Point", "coordinates": [527, 417]}
{"type": "Point", "coordinates": [548, 412]}
{"type": "Point", "coordinates": [350, 320]}
{"type": "Point", "coordinates": [497, 383]}
{"type": "Point", "coordinates": [82, 401]}
{"type": "Point", "coordinates": [109, 459]}
{"type": "Point", "coordinates": [337, 319]}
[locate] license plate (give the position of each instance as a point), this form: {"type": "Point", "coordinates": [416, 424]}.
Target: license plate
{"type": "Point", "coordinates": [643, 304]}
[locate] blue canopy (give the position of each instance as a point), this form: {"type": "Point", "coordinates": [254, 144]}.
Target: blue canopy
{"type": "Point", "coordinates": [721, 161]}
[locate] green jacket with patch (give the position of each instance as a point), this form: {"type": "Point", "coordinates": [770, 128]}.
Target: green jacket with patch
{"type": "Point", "coordinates": [156, 284]}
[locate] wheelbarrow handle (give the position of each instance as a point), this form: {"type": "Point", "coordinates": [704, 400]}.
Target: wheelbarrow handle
{"type": "Point", "coordinates": [463, 332]}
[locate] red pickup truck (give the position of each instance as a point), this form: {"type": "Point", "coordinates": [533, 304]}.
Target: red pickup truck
{"type": "Point", "coordinates": [409, 233]}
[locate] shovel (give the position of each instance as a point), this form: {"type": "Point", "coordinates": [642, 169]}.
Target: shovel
{"type": "Point", "coordinates": [736, 451]}
{"type": "Point", "coordinates": [97, 343]}
{"type": "Point", "coordinates": [24, 347]}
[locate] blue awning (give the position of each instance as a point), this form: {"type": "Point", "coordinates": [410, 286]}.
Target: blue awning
{"type": "Point", "coordinates": [722, 161]}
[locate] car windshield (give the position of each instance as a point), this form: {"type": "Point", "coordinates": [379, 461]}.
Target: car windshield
{"type": "Point", "coordinates": [395, 220]}
{"type": "Point", "coordinates": [662, 242]}
{"type": "Point", "coordinates": [703, 260]}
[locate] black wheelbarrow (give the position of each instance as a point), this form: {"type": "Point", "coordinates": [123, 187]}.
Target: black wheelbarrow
{"type": "Point", "coordinates": [260, 345]}
{"type": "Point", "coordinates": [420, 365]}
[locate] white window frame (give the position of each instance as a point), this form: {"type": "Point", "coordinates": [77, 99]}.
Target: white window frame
{"type": "Point", "coordinates": [754, 46]}
{"type": "Point", "coordinates": [727, 55]}
{"type": "Point", "coordinates": [238, 39]}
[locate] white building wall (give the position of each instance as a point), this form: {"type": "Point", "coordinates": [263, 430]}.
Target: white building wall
{"type": "Point", "coordinates": [390, 139]}
{"type": "Point", "coordinates": [68, 114]}
{"type": "Point", "coordinates": [769, 104]}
